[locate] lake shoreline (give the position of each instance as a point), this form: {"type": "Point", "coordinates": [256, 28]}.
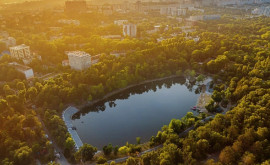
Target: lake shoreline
{"type": "Point", "coordinates": [68, 116]}
{"type": "Point", "coordinates": [72, 109]}
{"type": "Point", "coordinates": [117, 91]}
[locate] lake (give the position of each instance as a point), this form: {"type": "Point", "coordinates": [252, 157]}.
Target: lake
{"type": "Point", "coordinates": [138, 112]}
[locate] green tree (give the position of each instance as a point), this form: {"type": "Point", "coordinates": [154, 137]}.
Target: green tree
{"type": "Point", "coordinates": [217, 96]}
{"type": "Point", "coordinates": [115, 150]}
{"type": "Point", "coordinates": [23, 155]}
{"type": "Point", "coordinates": [249, 159]}
{"type": "Point", "coordinates": [200, 78]}
{"type": "Point", "coordinates": [85, 153]}
{"type": "Point", "coordinates": [176, 125]}
{"type": "Point", "coordinates": [101, 160]}
{"type": "Point", "coordinates": [70, 144]}
{"type": "Point", "coordinates": [32, 93]}
{"type": "Point", "coordinates": [8, 90]}
{"type": "Point", "coordinates": [3, 105]}
{"type": "Point", "coordinates": [131, 161]}
{"type": "Point", "coordinates": [227, 156]}
{"type": "Point", "coordinates": [107, 150]}
{"type": "Point", "coordinates": [20, 86]}
{"type": "Point", "coordinates": [138, 140]}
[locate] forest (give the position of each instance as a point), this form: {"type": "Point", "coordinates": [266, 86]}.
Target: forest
{"type": "Point", "coordinates": [236, 56]}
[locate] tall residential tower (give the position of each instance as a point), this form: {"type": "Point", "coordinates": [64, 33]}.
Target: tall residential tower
{"type": "Point", "coordinates": [79, 60]}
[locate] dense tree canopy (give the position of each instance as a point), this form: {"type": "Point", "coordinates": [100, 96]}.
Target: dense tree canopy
{"type": "Point", "coordinates": [235, 52]}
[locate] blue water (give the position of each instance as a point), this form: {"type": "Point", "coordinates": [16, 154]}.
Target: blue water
{"type": "Point", "coordinates": [138, 112]}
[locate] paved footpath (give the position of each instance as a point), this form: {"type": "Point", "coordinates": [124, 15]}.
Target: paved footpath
{"type": "Point", "coordinates": [67, 114]}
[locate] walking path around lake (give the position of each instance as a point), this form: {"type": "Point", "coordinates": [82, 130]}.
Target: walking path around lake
{"type": "Point", "coordinates": [67, 114]}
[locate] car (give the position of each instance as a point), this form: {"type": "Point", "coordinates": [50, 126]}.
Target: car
{"type": "Point", "coordinates": [57, 155]}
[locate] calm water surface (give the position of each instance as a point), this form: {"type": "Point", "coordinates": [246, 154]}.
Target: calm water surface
{"type": "Point", "coordinates": [137, 112]}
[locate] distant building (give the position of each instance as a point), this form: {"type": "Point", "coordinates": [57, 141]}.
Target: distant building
{"type": "Point", "coordinates": [75, 6]}
{"type": "Point", "coordinates": [192, 8]}
{"type": "Point", "coordinates": [262, 1]}
{"type": "Point", "coordinates": [130, 30]}
{"type": "Point", "coordinates": [6, 52]}
{"type": "Point", "coordinates": [79, 60]}
{"type": "Point", "coordinates": [55, 28]}
{"type": "Point", "coordinates": [178, 10]}
{"type": "Point", "coordinates": [95, 59]}
{"type": "Point", "coordinates": [69, 21]}
{"type": "Point", "coordinates": [211, 17]}
{"type": "Point", "coordinates": [9, 41]}
{"type": "Point", "coordinates": [181, 12]}
{"type": "Point", "coordinates": [27, 71]}
{"type": "Point", "coordinates": [106, 10]}
{"type": "Point", "coordinates": [157, 28]}
{"type": "Point", "coordinates": [196, 39]}
{"type": "Point", "coordinates": [179, 19]}
{"type": "Point", "coordinates": [204, 17]}
{"type": "Point", "coordinates": [235, 2]}
{"type": "Point", "coordinates": [65, 63]}
{"type": "Point", "coordinates": [6, 39]}
{"type": "Point", "coordinates": [120, 22]}
{"type": "Point", "coordinates": [263, 10]}
{"type": "Point", "coordinates": [187, 30]}
{"type": "Point", "coordinates": [160, 39]}
{"type": "Point", "coordinates": [112, 36]}
{"type": "Point", "coordinates": [4, 34]}
{"type": "Point", "coordinates": [170, 10]}
{"type": "Point", "coordinates": [195, 18]}
{"type": "Point", "coordinates": [21, 52]}
{"type": "Point", "coordinates": [118, 53]}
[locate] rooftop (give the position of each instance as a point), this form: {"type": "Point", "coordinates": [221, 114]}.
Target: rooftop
{"type": "Point", "coordinates": [19, 66]}
{"type": "Point", "coordinates": [18, 47]}
{"type": "Point", "coordinates": [77, 53]}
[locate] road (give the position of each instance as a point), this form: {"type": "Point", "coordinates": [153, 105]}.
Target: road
{"type": "Point", "coordinates": [62, 160]}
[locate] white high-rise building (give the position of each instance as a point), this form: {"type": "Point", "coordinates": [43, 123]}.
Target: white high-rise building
{"type": "Point", "coordinates": [130, 30]}
{"type": "Point", "coordinates": [21, 52]}
{"type": "Point", "coordinates": [79, 60]}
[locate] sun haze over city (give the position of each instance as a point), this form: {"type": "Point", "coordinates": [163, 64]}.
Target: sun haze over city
{"type": "Point", "coordinates": [134, 82]}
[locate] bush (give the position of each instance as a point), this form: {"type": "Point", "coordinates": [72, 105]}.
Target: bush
{"type": "Point", "coordinates": [123, 150]}
{"type": "Point", "coordinates": [131, 161]}
{"type": "Point", "coordinates": [115, 150]}
{"type": "Point", "coordinates": [113, 163]}
{"type": "Point", "coordinates": [108, 149]}
{"type": "Point", "coordinates": [101, 160]}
